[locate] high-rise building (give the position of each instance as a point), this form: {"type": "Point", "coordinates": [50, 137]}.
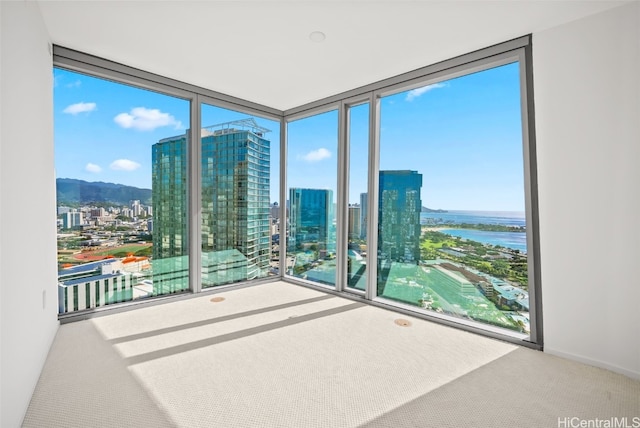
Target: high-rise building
{"type": "Point", "coordinates": [72, 219]}
{"type": "Point", "coordinates": [274, 212]}
{"type": "Point", "coordinates": [127, 212]}
{"type": "Point", "coordinates": [136, 207]}
{"type": "Point", "coordinates": [235, 202]}
{"type": "Point", "coordinates": [399, 210]}
{"type": "Point", "coordinates": [97, 212]}
{"type": "Point", "coordinates": [363, 215]}
{"type": "Point", "coordinates": [169, 196]}
{"type": "Point", "coordinates": [354, 231]}
{"type": "Point", "coordinates": [170, 262]}
{"type": "Point", "coordinates": [235, 198]}
{"type": "Point", "coordinates": [311, 219]}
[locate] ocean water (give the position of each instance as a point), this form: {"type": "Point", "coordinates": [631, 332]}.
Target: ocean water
{"type": "Point", "coordinates": [513, 240]}
{"type": "Point", "coordinates": [506, 218]}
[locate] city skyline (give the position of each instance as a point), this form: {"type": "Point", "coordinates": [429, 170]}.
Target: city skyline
{"type": "Point", "coordinates": [425, 157]}
{"type": "Point", "coordinates": [104, 132]}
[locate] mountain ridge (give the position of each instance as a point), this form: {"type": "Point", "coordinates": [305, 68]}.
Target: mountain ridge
{"type": "Point", "coordinates": [75, 191]}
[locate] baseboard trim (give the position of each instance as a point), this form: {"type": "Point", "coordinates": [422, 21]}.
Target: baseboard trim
{"type": "Point", "coordinates": [593, 362]}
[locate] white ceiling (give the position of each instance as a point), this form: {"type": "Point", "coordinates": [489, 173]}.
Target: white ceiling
{"type": "Point", "coordinates": [260, 50]}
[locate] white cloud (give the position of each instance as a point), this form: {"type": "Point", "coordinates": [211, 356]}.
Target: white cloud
{"type": "Point", "coordinates": [317, 155]}
{"type": "Point", "coordinates": [415, 93]}
{"type": "Point", "coordinates": [75, 84]}
{"type": "Point", "coordinates": [144, 119]}
{"type": "Point", "coordinates": [124, 165]}
{"type": "Point", "coordinates": [92, 167]}
{"type": "Point", "coordinates": [80, 108]}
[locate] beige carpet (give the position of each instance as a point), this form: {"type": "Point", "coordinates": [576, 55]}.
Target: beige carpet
{"type": "Point", "coordinates": [280, 355]}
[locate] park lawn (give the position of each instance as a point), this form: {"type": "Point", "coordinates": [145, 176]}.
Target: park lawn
{"type": "Point", "coordinates": [131, 248]}
{"type": "Point", "coordinates": [430, 245]}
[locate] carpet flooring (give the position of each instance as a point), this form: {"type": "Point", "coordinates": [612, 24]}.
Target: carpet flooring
{"type": "Point", "coordinates": [282, 355]}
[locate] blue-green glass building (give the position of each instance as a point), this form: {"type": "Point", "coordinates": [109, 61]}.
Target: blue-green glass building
{"type": "Point", "coordinates": [311, 219]}
{"type": "Point", "coordinates": [235, 202]}
{"type": "Point", "coordinates": [170, 260]}
{"type": "Point", "coordinates": [399, 207]}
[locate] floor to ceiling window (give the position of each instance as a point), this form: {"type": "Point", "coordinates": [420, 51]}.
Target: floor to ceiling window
{"type": "Point", "coordinates": [312, 147]}
{"type": "Point", "coordinates": [357, 123]}
{"type": "Point", "coordinates": [436, 193]}
{"type": "Point", "coordinates": [240, 158]}
{"type": "Point", "coordinates": [417, 192]}
{"type": "Point", "coordinates": [121, 157]}
{"type": "Point", "coordinates": [451, 199]}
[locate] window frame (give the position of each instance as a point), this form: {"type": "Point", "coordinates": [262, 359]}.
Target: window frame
{"type": "Point", "coordinates": [284, 191]}
{"type": "Point", "coordinates": [518, 49]}
{"type": "Point", "coordinates": [80, 62]}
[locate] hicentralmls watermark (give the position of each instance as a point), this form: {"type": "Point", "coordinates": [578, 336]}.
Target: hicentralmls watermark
{"type": "Point", "coordinates": [613, 422]}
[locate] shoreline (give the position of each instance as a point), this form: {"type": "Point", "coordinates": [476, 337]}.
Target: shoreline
{"type": "Point", "coordinates": [436, 228]}
{"type": "Point", "coordinates": [505, 245]}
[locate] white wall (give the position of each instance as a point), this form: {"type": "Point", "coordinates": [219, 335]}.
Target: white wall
{"type": "Point", "coordinates": [587, 100]}
{"type": "Point", "coordinates": [27, 207]}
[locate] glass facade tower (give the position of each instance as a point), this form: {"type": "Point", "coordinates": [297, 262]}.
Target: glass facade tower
{"type": "Point", "coordinates": [399, 215]}
{"type": "Point", "coordinates": [236, 238]}
{"type": "Point", "coordinates": [170, 264]}
{"type": "Point", "coordinates": [311, 219]}
{"type": "Point", "coordinates": [235, 201]}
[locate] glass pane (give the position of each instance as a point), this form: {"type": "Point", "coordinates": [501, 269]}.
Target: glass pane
{"type": "Point", "coordinates": [357, 197]}
{"type": "Point", "coordinates": [240, 179]}
{"type": "Point", "coordinates": [312, 149]}
{"type": "Point", "coordinates": [452, 229]}
{"type": "Point", "coordinates": [121, 188]}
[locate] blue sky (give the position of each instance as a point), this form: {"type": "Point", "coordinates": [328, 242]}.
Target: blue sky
{"type": "Point", "coordinates": [104, 131]}
{"type": "Point", "coordinates": [462, 135]}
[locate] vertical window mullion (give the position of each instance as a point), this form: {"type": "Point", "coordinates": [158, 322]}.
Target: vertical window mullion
{"type": "Point", "coordinates": [531, 199]}
{"type": "Point", "coordinates": [194, 149]}
{"type": "Point", "coordinates": [284, 213]}
{"type": "Point", "coordinates": [342, 192]}
{"type": "Point", "coordinates": [372, 197]}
